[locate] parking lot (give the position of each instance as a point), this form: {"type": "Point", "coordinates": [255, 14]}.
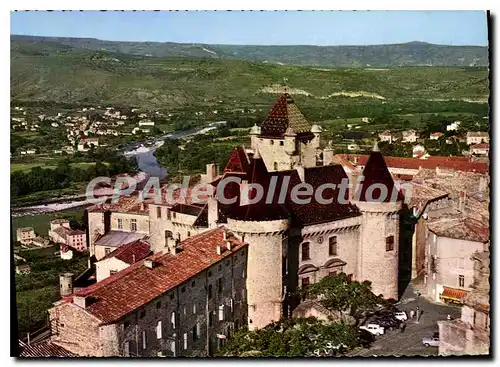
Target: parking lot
{"type": "Point", "coordinates": [395, 343]}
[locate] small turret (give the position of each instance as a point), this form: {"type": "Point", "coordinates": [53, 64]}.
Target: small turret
{"type": "Point", "coordinates": [290, 146]}
{"type": "Point", "coordinates": [328, 154]}
{"type": "Point", "coordinates": [316, 130]}
{"type": "Point", "coordinates": [254, 136]}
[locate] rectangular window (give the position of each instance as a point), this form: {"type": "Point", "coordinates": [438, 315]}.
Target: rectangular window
{"type": "Point", "coordinates": [305, 251]}
{"type": "Point", "coordinates": [211, 319]}
{"type": "Point", "coordinates": [144, 339]}
{"type": "Point", "coordinates": [158, 304]}
{"type": "Point", "coordinates": [168, 214]}
{"type": "Point", "coordinates": [460, 262]}
{"type": "Point", "coordinates": [194, 308]}
{"type": "Point", "coordinates": [158, 330]}
{"type": "Point", "coordinates": [243, 271]}
{"type": "Point", "coordinates": [332, 246]}
{"type": "Point", "coordinates": [107, 250]}
{"type": "Point", "coordinates": [220, 285]}
{"type": "Point", "coordinates": [133, 225]}
{"type": "Point", "coordinates": [120, 223]}
{"type": "Point", "coordinates": [305, 282]}
{"type": "Point", "coordinates": [210, 291]}
{"type": "Point", "coordinates": [142, 314]}
{"type": "Point", "coordinates": [221, 313]}
{"type": "Point", "coordinates": [194, 331]}
{"type": "Point", "coordinates": [172, 320]}
{"type": "Point", "coordinates": [172, 347]}
{"type": "Point", "coordinates": [158, 212]}
{"type": "Point", "coordinates": [112, 272]}
{"type": "Point", "coordinates": [389, 243]}
{"type": "Point", "coordinates": [461, 281]}
{"type": "Point", "coordinates": [185, 337]}
{"type": "Point", "coordinates": [126, 349]}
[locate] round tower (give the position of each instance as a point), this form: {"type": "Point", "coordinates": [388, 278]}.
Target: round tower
{"type": "Point", "coordinates": [267, 242]}
{"type": "Point", "coordinates": [380, 203]}
{"type": "Point", "coordinates": [316, 130]}
{"type": "Point", "coordinates": [290, 146]}
{"type": "Point", "coordinates": [66, 284]}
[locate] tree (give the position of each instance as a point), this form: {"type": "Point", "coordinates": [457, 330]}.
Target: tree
{"type": "Point", "coordinates": [294, 337]}
{"type": "Point", "coordinates": [338, 293]}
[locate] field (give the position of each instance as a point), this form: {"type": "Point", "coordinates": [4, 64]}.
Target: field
{"type": "Point", "coordinates": [41, 221]}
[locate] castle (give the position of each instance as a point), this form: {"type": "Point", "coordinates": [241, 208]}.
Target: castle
{"type": "Point", "coordinates": [256, 254]}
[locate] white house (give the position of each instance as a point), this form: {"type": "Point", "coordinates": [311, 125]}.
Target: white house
{"type": "Point", "coordinates": [480, 149]}
{"type": "Point", "coordinates": [453, 126]}
{"type": "Point", "coordinates": [419, 152]}
{"type": "Point", "coordinates": [477, 137]}
{"type": "Point", "coordinates": [409, 136]}
{"type": "Point", "coordinates": [385, 136]}
{"type": "Point", "coordinates": [435, 136]}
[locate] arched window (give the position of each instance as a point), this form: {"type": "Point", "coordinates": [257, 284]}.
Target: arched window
{"type": "Point", "coordinates": [275, 166]}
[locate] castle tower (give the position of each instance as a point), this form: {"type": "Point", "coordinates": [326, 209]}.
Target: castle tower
{"type": "Point", "coordinates": [65, 284]}
{"type": "Point", "coordinates": [286, 137]}
{"type": "Point", "coordinates": [267, 243]}
{"type": "Point", "coordinates": [378, 256]}
{"type": "Point", "coordinates": [264, 227]}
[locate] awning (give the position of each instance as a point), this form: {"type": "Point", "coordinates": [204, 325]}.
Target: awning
{"type": "Point", "coordinates": [453, 294]}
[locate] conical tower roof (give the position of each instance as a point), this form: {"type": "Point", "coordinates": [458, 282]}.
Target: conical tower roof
{"type": "Point", "coordinates": [376, 172]}
{"type": "Point", "coordinates": [283, 115]}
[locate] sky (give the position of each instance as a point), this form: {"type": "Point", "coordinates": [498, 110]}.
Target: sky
{"type": "Point", "coordinates": [261, 27]}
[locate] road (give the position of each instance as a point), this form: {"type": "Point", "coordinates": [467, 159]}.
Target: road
{"type": "Point", "coordinates": [395, 343]}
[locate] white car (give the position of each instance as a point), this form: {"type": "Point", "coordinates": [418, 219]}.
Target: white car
{"type": "Point", "coordinates": [401, 315]}
{"type": "Point", "coordinates": [373, 328]}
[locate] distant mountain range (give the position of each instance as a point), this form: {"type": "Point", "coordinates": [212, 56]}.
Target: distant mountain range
{"type": "Point", "coordinates": [392, 55]}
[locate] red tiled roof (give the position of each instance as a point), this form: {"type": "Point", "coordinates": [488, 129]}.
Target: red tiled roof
{"type": "Point", "coordinates": [455, 163]}
{"type": "Point", "coordinates": [43, 349]}
{"type": "Point", "coordinates": [480, 146]}
{"type": "Point", "coordinates": [122, 293]}
{"type": "Point", "coordinates": [467, 229]}
{"type": "Point", "coordinates": [237, 161]}
{"type": "Point", "coordinates": [453, 294]}
{"type": "Point", "coordinates": [130, 252]}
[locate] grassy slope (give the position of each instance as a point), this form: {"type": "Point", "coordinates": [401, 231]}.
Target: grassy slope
{"type": "Point", "coordinates": [84, 76]}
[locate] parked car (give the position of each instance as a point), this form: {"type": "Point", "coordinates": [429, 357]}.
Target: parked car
{"type": "Point", "coordinates": [375, 329]}
{"type": "Point", "coordinates": [388, 322]}
{"type": "Point", "coordinates": [365, 338]}
{"type": "Point", "coordinates": [401, 315]}
{"type": "Point", "coordinates": [431, 341]}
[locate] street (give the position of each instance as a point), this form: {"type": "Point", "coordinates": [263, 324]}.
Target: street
{"type": "Point", "coordinates": [396, 343]}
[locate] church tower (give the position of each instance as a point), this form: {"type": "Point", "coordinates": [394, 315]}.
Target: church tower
{"type": "Point", "coordinates": [286, 138]}
{"type": "Point", "coordinates": [380, 203]}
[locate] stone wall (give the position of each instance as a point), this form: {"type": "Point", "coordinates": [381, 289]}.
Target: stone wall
{"type": "Point", "coordinates": [142, 221]}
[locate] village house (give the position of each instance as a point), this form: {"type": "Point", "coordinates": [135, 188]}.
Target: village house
{"type": "Point", "coordinates": [480, 149]}
{"type": "Point", "coordinates": [146, 123]}
{"type": "Point", "coordinates": [409, 136]}
{"type": "Point", "coordinates": [61, 232]}
{"type": "Point", "coordinates": [25, 235]}
{"type": "Point", "coordinates": [451, 242]}
{"type": "Point", "coordinates": [31, 151]}
{"type": "Point", "coordinates": [470, 335]}
{"type": "Point", "coordinates": [419, 152]}
{"type": "Point", "coordinates": [40, 242]}
{"type": "Point", "coordinates": [436, 136]}
{"type": "Point", "coordinates": [477, 137]}
{"type": "Point", "coordinates": [121, 258]}
{"type": "Point", "coordinates": [385, 136]}
{"type": "Point", "coordinates": [85, 144]}
{"type": "Point", "coordinates": [453, 126]}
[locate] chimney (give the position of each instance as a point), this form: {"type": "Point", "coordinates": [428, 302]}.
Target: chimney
{"type": "Point", "coordinates": [66, 284]}
{"type": "Point", "coordinates": [149, 263]}
{"type": "Point", "coordinates": [81, 301]}
{"type": "Point", "coordinates": [213, 211]}
{"type": "Point", "coordinates": [219, 250]}
{"type": "Point", "coordinates": [229, 245]}
{"type": "Point", "coordinates": [462, 200]}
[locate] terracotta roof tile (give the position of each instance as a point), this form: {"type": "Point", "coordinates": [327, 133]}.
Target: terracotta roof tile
{"type": "Point", "coordinates": [130, 252]}
{"type": "Point", "coordinates": [461, 228]}
{"type": "Point", "coordinates": [43, 349]}
{"type": "Point", "coordinates": [137, 285]}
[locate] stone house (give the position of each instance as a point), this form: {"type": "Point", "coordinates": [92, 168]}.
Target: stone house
{"type": "Point", "coordinates": [419, 152]}
{"type": "Point", "coordinates": [451, 242]}
{"type": "Point", "coordinates": [25, 235]}
{"type": "Point", "coordinates": [183, 302]}
{"type": "Point", "coordinates": [471, 333]}
{"type": "Point", "coordinates": [85, 144]}
{"type": "Point", "coordinates": [23, 269]}
{"type": "Point", "coordinates": [477, 137]}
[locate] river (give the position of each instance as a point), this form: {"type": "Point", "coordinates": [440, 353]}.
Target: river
{"type": "Point", "coordinates": [146, 161]}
